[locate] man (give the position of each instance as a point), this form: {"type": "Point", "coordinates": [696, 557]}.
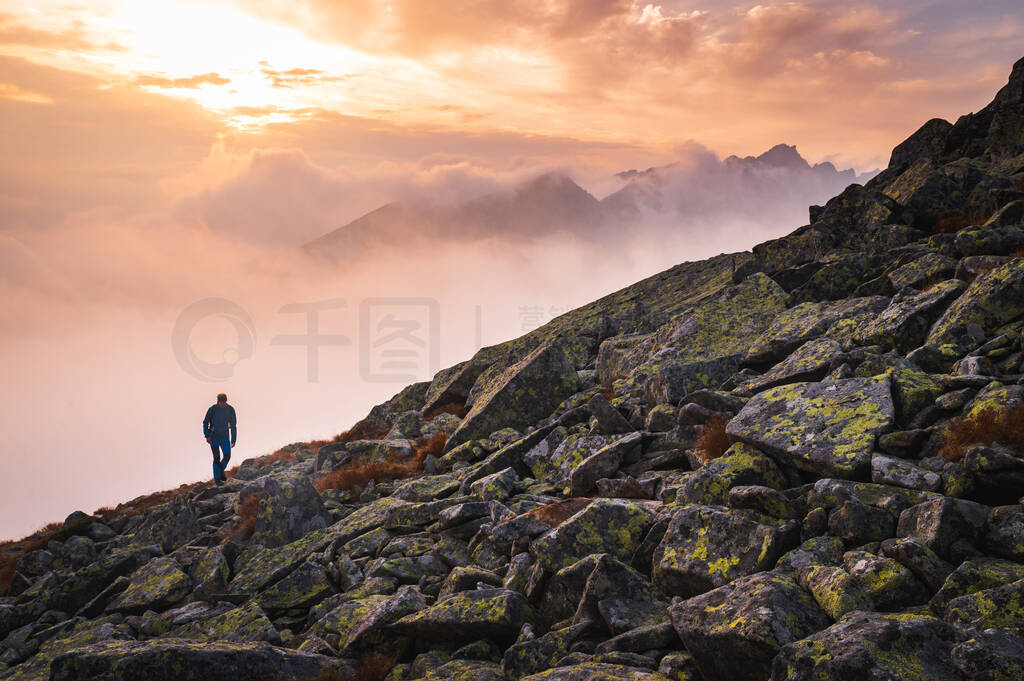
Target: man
{"type": "Point", "coordinates": [219, 420]}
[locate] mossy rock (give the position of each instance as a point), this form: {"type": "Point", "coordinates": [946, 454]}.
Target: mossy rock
{"type": "Point", "coordinates": [465, 670]}
{"type": "Point", "coordinates": [1001, 607]}
{"type": "Point", "coordinates": [82, 633]}
{"type": "Point", "coordinates": [496, 613]}
{"type": "Point", "coordinates": [993, 655]}
{"type": "Point", "coordinates": [427, 488]}
{"type": "Point", "coordinates": [726, 323]}
{"type": "Point", "coordinates": [184, 660]}
{"type": "Point", "coordinates": [972, 576]}
{"type": "Point", "coordinates": [304, 587]}
{"type": "Point", "coordinates": [810, 362]}
{"type": "Point", "coordinates": [596, 671]}
{"type": "Point", "coordinates": [246, 623]}
{"type": "Point", "coordinates": [865, 645]}
{"type": "Point", "coordinates": [537, 654]}
{"type": "Point", "coordinates": [734, 631]}
{"type": "Point", "coordinates": [825, 428]}
{"type": "Point", "coordinates": [992, 300]}
{"type": "Point", "coordinates": [796, 325]}
{"type": "Point", "coordinates": [740, 465]}
{"type": "Point", "coordinates": [706, 547]}
{"type": "Point", "coordinates": [929, 267]}
{"type": "Point", "coordinates": [614, 526]}
{"type": "Point", "coordinates": [834, 590]}
{"type": "Point", "coordinates": [905, 323]}
{"type": "Point", "coordinates": [155, 586]}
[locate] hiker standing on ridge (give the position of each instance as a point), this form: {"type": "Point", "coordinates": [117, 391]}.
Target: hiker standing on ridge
{"type": "Point", "coordinates": [219, 419]}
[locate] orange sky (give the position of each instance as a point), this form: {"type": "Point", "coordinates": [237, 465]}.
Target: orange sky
{"type": "Point", "coordinates": [143, 141]}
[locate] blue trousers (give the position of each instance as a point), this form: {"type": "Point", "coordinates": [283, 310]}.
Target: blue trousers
{"type": "Point", "coordinates": [219, 464]}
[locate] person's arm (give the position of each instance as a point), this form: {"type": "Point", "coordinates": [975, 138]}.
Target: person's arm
{"type": "Point", "coordinates": [233, 426]}
{"type": "Point", "coordinates": [208, 423]}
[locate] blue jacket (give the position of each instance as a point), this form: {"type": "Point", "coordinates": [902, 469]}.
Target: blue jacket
{"type": "Point", "coordinates": [218, 421]}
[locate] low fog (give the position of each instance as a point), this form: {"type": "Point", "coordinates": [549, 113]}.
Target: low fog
{"type": "Point", "coordinates": [119, 330]}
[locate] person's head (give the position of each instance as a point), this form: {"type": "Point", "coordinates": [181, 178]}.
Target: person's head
{"type": "Point", "coordinates": [222, 399]}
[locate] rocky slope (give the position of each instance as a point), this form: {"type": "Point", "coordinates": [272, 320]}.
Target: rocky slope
{"type": "Point", "coordinates": [582, 520]}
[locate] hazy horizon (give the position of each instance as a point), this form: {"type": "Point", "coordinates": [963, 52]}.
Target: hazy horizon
{"type": "Point", "coordinates": [145, 172]}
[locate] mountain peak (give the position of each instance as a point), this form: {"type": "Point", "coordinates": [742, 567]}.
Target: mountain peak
{"type": "Point", "coordinates": [783, 156]}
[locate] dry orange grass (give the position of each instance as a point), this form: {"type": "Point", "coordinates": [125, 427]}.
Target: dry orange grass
{"type": "Point", "coordinates": [248, 506]}
{"type": "Point", "coordinates": [989, 426]}
{"type": "Point", "coordinates": [372, 666]}
{"type": "Point", "coordinates": [144, 503]}
{"type": "Point", "coordinates": [1019, 253]}
{"type": "Point", "coordinates": [712, 441]}
{"type": "Point", "coordinates": [557, 513]}
{"type": "Point", "coordinates": [355, 475]}
{"type": "Point", "coordinates": [952, 224]}
{"type": "Point", "coordinates": [375, 667]}
{"type": "Point", "coordinates": [12, 551]}
{"type": "Point", "coordinates": [608, 392]}
{"type": "Point", "coordinates": [454, 408]}
{"type": "Point", "coordinates": [360, 431]}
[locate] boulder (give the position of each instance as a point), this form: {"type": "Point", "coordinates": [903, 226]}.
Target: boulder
{"type": "Point", "coordinates": [810, 362]}
{"type": "Point", "coordinates": [521, 395]}
{"type": "Point", "coordinates": [904, 324]}
{"type": "Point", "coordinates": [470, 615]}
{"type": "Point", "coordinates": [992, 300]}
{"type": "Point", "coordinates": [706, 547]}
{"type": "Point", "coordinates": [825, 428]}
{"type": "Point", "coordinates": [877, 646]}
{"type": "Point", "coordinates": [991, 655]}
{"type": "Point", "coordinates": [184, 660]}
{"type": "Point", "coordinates": [1000, 607]}
{"type": "Point", "coordinates": [614, 526]}
{"type": "Point", "coordinates": [734, 631]}
{"type": "Point", "coordinates": [740, 465]}
{"type": "Point", "coordinates": [803, 322]}
{"type": "Point", "coordinates": [155, 586]}
{"type": "Point", "coordinates": [949, 527]}
{"type": "Point", "coordinates": [289, 509]}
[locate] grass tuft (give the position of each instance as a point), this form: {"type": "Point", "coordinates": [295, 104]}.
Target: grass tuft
{"type": "Point", "coordinates": [454, 408]}
{"type": "Point", "coordinates": [557, 513]}
{"type": "Point", "coordinates": [986, 427]}
{"type": "Point", "coordinates": [355, 475]}
{"type": "Point", "coordinates": [712, 441]}
{"type": "Point", "coordinates": [145, 502]}
{"type": "Point", "coordinates": [12, 551]}
{"type": "Point", "coordinates": [248, 507]}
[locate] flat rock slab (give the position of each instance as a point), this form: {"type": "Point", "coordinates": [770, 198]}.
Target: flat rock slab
{"type": "Point", "coordinates": [810, 362]}
{"type": "Point", "coordinates": [184, 660]}
{"type": "Point", "coordinates": [826, 428]}
{"type": "Point", "coordinates": [470, 615]}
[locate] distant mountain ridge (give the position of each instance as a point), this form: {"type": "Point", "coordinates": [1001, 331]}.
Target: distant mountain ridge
{"type": "Point", "coordinates": [554, 203]}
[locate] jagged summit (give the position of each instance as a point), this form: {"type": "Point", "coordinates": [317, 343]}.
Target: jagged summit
{"type": "Point", "coordinates": [797, 463]}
